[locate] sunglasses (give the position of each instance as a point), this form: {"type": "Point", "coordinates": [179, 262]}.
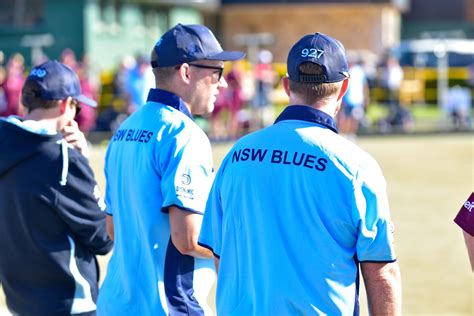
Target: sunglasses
{"type": "Point", "coordinates": [219, 72]}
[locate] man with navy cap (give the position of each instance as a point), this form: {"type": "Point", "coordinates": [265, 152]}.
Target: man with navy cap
{"type": "Point", "coordinates": [52, 219]}
{"type": "Point", "coordinates": [159, 171]}
{"type": "Point", "coordinates": [296, 209]}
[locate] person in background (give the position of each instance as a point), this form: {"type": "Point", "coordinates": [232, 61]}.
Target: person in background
{"type": "Point", "coordinates": [264, 75]}
{"type": "Point", "coordinates": [354, 102]}
{"type": "Point", "coordinates": [138, 83]}
{"type": "Point", "coordinates": [465, 220]}
{"type": "Point", "coordinates": [86, 118]}
{"type": "Point", "coordinates": [3, 75]}
{"type": "Point", "coordinates": [11, 86]}
{"type": "Point", "coordinates": [235, 99]}
{"type": "Point", "coordinates": [392, 77]}
{"type": "Point", "coordinates": [159, 171]}
{"type": "Point", "coordinates": [225, 120]}
{"type": "Point", "coordinates": [52, 219]}
{"type": "Point", "coordinates": [296, 210]}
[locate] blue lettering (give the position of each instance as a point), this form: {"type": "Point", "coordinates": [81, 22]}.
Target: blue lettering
{"type": "Point", "coordinates": [309, 161]}
{"type": "Point", "coordinates": [245, 154]}
{"type": "Point", "coordinates": [236, 156]}
{"type": "Point", "coordinates": [321, 166]}
{"type": "Point", "coordinates": [119, 134]}
{"type": "Point", "coordinates": [276, 156]}
{"type": "Point", "coordinates": [297, 162]}
{"type": "Point", "coordinates": [141, 139]}
{"type": "Point", "coordinates": [149, 135]}
{"type": "Point", "coordinates": [136, 135]}
{"type": "Point", "coordinates": [129, 135]}
{"type": "Point", "coordinates": [122, 135]}
{"type": "Point", "coordinates": [285, 156]}
{"type": "Point", "coordinates": [258, 154]}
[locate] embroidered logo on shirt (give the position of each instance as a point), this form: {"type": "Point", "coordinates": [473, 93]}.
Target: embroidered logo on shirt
{"type": "Point", "coordinates": [185, 192]}
{"type": "Point", "coordinates": [185, 179]}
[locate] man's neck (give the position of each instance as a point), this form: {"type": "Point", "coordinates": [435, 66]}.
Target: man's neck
{"type": "Point", "coordinates": [177, 92]}
{"type": "Point", "coordinates": [45, 117]}
{"type": "Point", "coordinates": [329, 107]}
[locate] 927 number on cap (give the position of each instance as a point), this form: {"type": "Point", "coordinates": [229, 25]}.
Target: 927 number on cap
{"type": "Point", "coordinates": [312, 52]}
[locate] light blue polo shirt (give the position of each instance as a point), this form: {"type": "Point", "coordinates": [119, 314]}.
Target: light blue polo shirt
{"type": "Point", "coordinates": [293, 208]}
{"type": "Point", "coordinates": [158, 158]}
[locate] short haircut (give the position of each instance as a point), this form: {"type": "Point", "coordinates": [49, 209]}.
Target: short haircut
{"type": "Point", "coordinates": [30, 97]}
{"type": "Point", "coordinates": [311, 93]}
{"type": "Point", "coordinates": [162, 75]}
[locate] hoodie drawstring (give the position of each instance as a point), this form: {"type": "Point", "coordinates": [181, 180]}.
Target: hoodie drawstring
{"type": "Point", "coordinates": [65, 170]}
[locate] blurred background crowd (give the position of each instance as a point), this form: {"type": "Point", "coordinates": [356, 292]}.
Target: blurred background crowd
{"type": "Point", "coordinates": [411, 70]}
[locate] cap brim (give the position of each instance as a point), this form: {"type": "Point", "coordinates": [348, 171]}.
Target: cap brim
{"type": "Point", "coordinates": [85, 100]}
{"type": "Point", "coordinates": [227, 56]}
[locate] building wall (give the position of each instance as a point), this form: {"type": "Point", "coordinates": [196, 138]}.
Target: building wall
{"type": "Point", "coordinates": [438, 19]}
{"type": "Point", "coordinates": [469, 10]}
{"type": "Point", "coordinates": [358, 26]}
{"type": "Point", "coordinates": [58, 19]}
{"type": "Point", "coordinates": [113, 34]}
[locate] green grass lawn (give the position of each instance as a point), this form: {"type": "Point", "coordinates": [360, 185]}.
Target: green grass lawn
{"type": "Point", "coordinates": [429, 178]}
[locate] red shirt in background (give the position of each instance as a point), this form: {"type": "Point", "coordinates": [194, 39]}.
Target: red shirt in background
{"type": "Point", "coordinates": [465, 217]}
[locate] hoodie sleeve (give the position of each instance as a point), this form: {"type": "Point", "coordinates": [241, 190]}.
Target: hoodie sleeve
{"type": "Point", "coordinates": [82, 208]}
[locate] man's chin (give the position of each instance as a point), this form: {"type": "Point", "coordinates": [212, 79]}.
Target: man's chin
{"type": "Point", "coordinates": [210, 108]}
{"type": "Point", "coordinates": [204, 112]}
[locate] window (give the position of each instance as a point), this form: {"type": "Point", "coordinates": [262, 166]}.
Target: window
{"type": "Point", "coordinates": [21, 13]}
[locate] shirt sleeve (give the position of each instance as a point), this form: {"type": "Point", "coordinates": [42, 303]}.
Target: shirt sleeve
{"type": "Point", "coordinates": [82, 208]}
{"type": "Point", "coordinates": [371, 210]}
{"type": "Point", "coordinates": [187, 172]}
{"type": "Point", "coordinates": [465, 216]}
{"type": "Point", "coordinates": [108, 210]}
{"type": "Point", "coordinates": [211, 230]}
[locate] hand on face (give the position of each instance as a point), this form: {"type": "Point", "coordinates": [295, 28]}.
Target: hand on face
{"type": "Point", "coordinates": [75, 137]}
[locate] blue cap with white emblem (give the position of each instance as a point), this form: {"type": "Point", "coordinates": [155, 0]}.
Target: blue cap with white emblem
{"type": "Point", "coordinates": [57, 81]}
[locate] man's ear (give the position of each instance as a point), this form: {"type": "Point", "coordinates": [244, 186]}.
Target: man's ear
{"type": "Point", "coordinates": [345, 85]}
{"type": "Point", "coordinates": [63, 104]}
{"type": "Point", "coordinates": [184, 72]}
{"type": "Point", "coordinates": [285, 81]}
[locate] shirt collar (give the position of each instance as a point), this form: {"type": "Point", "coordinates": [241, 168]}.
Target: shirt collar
{"type": "Point", "coordinates": [309, 114]}
{"type": "Point", "coordinates": [168, 98]}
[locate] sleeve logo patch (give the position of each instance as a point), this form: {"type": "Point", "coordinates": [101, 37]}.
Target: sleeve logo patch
{"type": "Point", "coordinates": [185, 192]}
{"type": "Point", "coordinates": [185, 179]}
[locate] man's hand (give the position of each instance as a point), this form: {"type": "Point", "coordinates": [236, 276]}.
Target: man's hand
{"type": "Point", "coordinates": [75, 137]}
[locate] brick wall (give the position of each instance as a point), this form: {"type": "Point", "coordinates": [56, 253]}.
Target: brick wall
{"type": "Point", "coordinates": [371, 27]}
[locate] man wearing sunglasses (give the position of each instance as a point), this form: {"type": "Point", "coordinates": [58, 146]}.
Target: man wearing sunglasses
{"type": "Point", "coordinates": [52, 219]}
{"type": "Point", "coordinates": [159, 170]}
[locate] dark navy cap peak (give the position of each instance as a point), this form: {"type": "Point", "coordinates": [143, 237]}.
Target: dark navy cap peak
{"type": "Point", "coordinates": [57, 81]}
{"type": "Point", "coordinates": [320, 49]}
{"type": "Point", "coordinates": [188, 43]}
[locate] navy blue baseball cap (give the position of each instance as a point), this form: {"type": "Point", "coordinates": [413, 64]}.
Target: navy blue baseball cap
{"type": "Point", "coordinates": [57, 81]}
{"type": "Point", "coordinates": [320, 49]}
{"type": "Point", "coordinates": [188, 43]}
